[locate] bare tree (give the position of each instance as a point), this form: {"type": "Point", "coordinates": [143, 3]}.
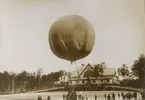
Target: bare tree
{"type": "Point", "coordinates": [139, 69]}
{"type": "Point", "coordinates": [40, 72]}
{"type": "Point", "coordinates": [39, 75]}
{"type": "Point", "coordinates": [123, 70]}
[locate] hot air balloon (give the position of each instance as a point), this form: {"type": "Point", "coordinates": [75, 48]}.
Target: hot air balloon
{"type": "Point", "coordinates": [71, 37]}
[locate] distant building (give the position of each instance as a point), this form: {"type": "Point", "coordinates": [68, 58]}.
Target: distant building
{"type": "Point", "coordinates": [87, 75]}
{"type": "Point", "coordinates": [63, 80]}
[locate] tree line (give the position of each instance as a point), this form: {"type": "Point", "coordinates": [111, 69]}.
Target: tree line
{"type": "Point", "coordinates": [133, 76]}
{"type": "Point", "coordinates": [25, 81]}
{"type": "Point", "coordinates": [38, 80]}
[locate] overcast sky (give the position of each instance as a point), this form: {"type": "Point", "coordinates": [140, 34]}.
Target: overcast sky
{"type": "Point", "coordinates": [119, 26]}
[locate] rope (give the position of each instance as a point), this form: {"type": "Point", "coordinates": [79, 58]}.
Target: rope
{"type": "Point", "coordinates": [77, 73]}
{"type": "Point", "coordinates": [77, 69]}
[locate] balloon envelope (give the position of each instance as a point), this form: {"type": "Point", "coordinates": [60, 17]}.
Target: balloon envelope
{"type": "Point", "coordinates": [71, 37]}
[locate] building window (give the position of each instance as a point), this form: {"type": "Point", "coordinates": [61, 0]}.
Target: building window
{"type": "Point", "coordinates": [108, 80]}
{"type": "Point", "coordinates": [89, 73]}
{"type": "Point", "coordinates": [70, 82]}
{"type": "Point", "coordinates": [77, 81]}
{"type": "Point", "coordinates": [83, 81]}
{"type": "Point", "coordinates": [94, 81]}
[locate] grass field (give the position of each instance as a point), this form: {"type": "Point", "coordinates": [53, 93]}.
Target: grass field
{"type": "Point", "coordinates": [57, 95]}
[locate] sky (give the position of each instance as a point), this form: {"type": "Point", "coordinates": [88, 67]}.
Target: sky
{"type": "Point", "coordinates": [24, 27]}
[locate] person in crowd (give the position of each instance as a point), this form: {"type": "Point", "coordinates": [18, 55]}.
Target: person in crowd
{"type": "Point", "coordinates": [83, 98]}
{"type": "Point", "coordinates": [68, 96]}
{"type": "Point", "coordinates": [75, 95]}
{"type": "Point", "coordinates": [124, 96]}
{"type": "Point", "coordinates": [86, 97]}
{"type": "Point", "coordinates": [113, 96]}
{"type": "Point", "coordinates": [135, 96]}
{"type": "Point", "coordinates": [95, 97]}
{"type": "Point", "coordinates": [119, 95]}
{"type": "Point", "coordinates": [109, 97]}
{"type": "Point", "coordinates": [130, 95]}
{"type": "Point", "coordinates": [79, 97]}
{"type": "Point", "coordinates": [127, 96]}
{"type": "Point", "coordinates": [72, 95]}
{"type": "Point", "coordinates": [48, 98]}
{"type": "Point", "coordinates": [64, 97]}
{"type": "Point", "coordinates": [143, 94]}
{"type": "Point", "coordinates": [39, 98]}
{"type": "Point", "coordinates": [105, 96]}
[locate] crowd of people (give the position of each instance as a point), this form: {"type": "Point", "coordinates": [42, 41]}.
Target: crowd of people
{"type": "Point", "coordinates": [110, 96]}
{"type": "Point", "coordinates": [123, 96]}
{"type": "Point", "coordinates": [143, 94]}
{"type": "Point", "coordinates": [72, 95]}
{"type": "Point", "coordinates": [40, 98]}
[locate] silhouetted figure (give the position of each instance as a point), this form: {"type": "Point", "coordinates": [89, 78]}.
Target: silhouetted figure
{"type": "Point", "coordinates": [86, 97]}
{"type": "Point", "coordinates": [118, 95]}
{"type": "Point", "coordinates": [39, 98]}
{"type": "Point", "coordinates": [64, 97]}
{"type": "Point", "coordinates": [135, 95]}
{"type": "Point", "coordinates": [109, 97]}
{"type": "Point", "coordinates": [113, 96]}
{"type": "Point", "coordinates": [129, 95]}
{"type": "Point", "coordinates": [68, 96]}
{"type": "Point", "coordinates": [79, 97]}
{"type": "Point", "coordinates": [71, 96]}
{"type": "Point", "coordinates": [75, 95]}
{"type": "Point", "coordinates": [105, 96]}
{"type": "Point", "coordinates": [48, 98]}
{"type": "Point", "coordinates": [95, 97]}
{"type": "Point", "coordinates": [124, 96]}
{"type": "Point", "coordinates": [143, 94]}
{"type": "Point", "coordinates": [83, 98]}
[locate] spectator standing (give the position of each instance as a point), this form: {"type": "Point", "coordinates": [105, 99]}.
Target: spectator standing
{"type": "Point", "coordinates": [39, 98]}
{"type": "Point", "coordinates": [105, 96]}
{"type": "Point", "coordinates": [95, 97]}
